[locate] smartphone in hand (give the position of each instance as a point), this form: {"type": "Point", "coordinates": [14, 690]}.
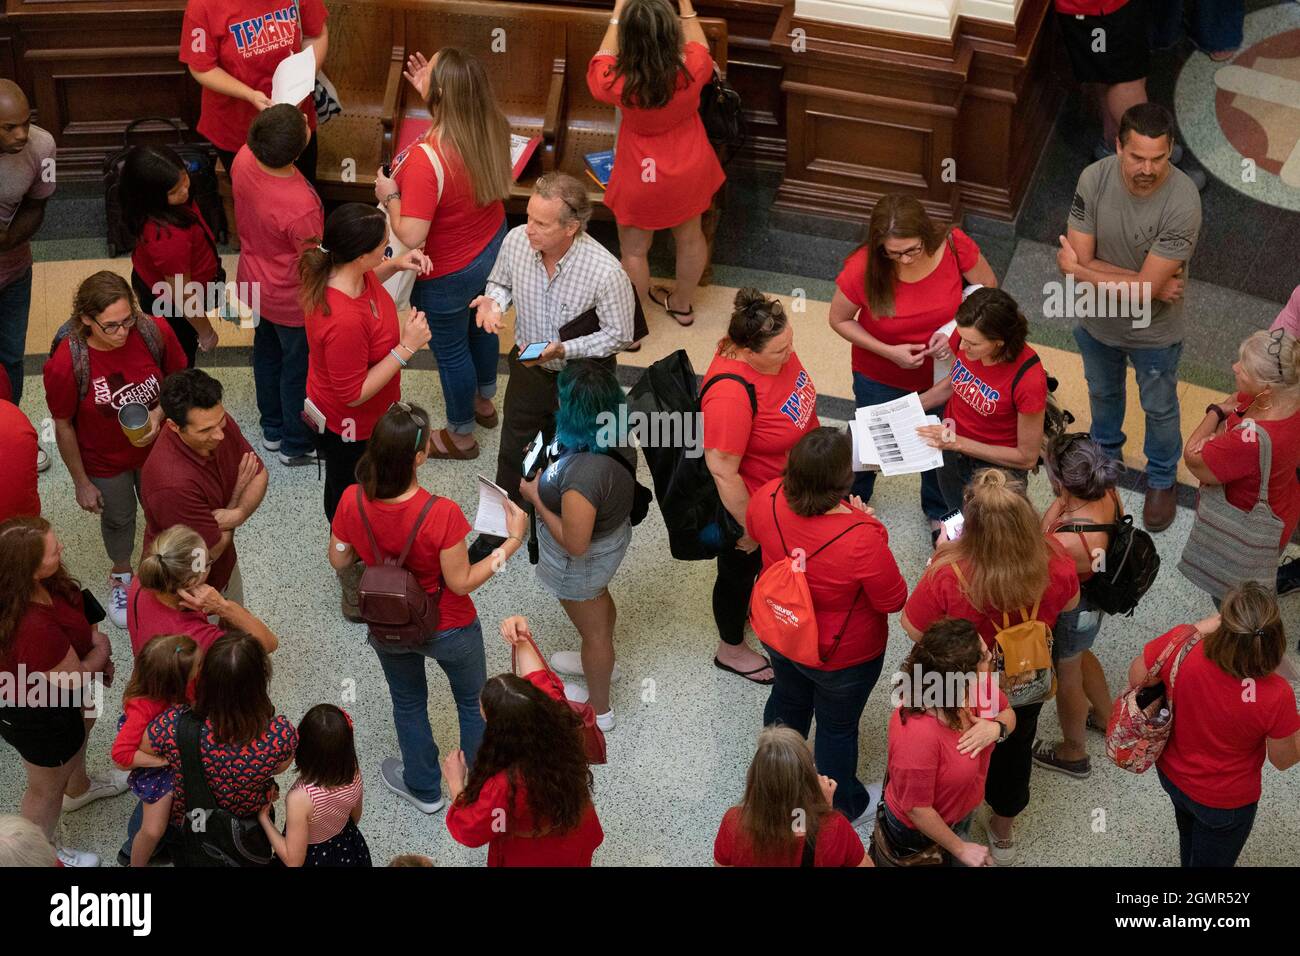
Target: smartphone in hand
{"type": "Point", "coordinates": [532, 352]}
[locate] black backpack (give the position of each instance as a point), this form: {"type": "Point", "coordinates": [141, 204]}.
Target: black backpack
{"type": "Point", "coordinates": [723, 117]}
{"type": "Point", "coordinates": [199, 163]}
{"type": "Point", "coordinates": [1131, 565]}
{"type": "Point", "coordinates": [1055, 418]}
{"type": "Point", "coordinates": [699, 525]}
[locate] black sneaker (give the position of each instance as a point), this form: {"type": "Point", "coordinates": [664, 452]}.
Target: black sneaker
{"type": "Point", "coordinates": [1288, 576]}
{"type": "Point", "coordinates": [483, 546]}
{"type": "Point", "coordinates": [297, 461]}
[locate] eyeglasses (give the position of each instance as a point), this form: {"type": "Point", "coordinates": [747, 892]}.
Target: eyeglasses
{"type": "Point", "coordinates": [420, 423]}
{"type": "Point", "coordinates": [127, 323]}
{"type": "Point", "coordinates": [911, 253]}
{"type": "Point", "coordinates": [1275, 350]}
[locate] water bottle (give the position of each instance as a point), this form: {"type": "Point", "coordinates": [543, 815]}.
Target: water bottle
{"type": "Point", "coordinates": [1161, 718]}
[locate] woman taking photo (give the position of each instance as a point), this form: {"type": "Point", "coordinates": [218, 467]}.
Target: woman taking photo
{"type": "Point", "coordinates": [855, 585]}
{"type": "Point", "coordinates": [458, 173]}
{"type": "Point", "coordinates": [749, 428]}
{"type": "Point", "coordinates": [385, 507]}
{"type": "Point", "coordinates": [174, 246]}
{"type": "Point", "coordinates": [785, 818]}
{"type": "Point", "coordinates": [652, 65]}
{"type": "Point", "coordinates": [356, 348]}
{"type": "Point", "coordinates": [43, 630]}
{"type": "Point", "coordinates": [1083, 479]}
{"type": "Point", "coordinates": [528, 796]}
{"type": "Point", "coordinates": [990, 358]}
{"type": "Point", "coordinates": [169, 597]}
{"type": "Point", "coordinates": [232, 51]}
{"type": "Point", "coordinates": [583, 502]}
{"type": "Point", "coordinates": [1000, 568]}
{"type": "Point", "coordinates": [939, 750]}
{"type": "Point", "coordinates": [1211, 765]}
{"type": "Point", "coordinates": [127, 355]}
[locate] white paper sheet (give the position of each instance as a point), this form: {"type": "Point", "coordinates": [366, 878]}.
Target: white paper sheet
{"type": "Point", "coordinates": [890, 428]}
{"type": "Point", "coordinates": [864, 453]}
{"type": "Point", "coordinates": [295, 78]}
{"type": "Point", "coordinates": [491, 517]}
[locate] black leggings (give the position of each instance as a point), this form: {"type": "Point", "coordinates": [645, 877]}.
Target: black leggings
{"type": "Point", "coordinates": [341, 459]}
{"type": "Point", "coordinates": [736, 573]}
{"type": "Point", "coordinates": [1007, 786]}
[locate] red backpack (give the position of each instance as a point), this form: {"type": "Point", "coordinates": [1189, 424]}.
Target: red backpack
{"type": "Point", "coordinates": [781, 606]}
{"type": "Point", "coordinates": [400, 612]}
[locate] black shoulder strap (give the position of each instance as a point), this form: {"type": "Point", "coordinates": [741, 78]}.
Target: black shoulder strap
{"type": "Point", "coordinates": [198, 796]}
{"type": "Point", "coordinates": [1020, 372]}
{"type": "Point", "coordinates": [749, 388]}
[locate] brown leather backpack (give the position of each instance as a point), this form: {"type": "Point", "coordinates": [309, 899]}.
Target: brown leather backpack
{"type": "Point", "coordinates": [390, 598]}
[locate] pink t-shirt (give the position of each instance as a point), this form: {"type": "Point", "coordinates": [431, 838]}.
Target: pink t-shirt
{"type": "Point", "coordinates": [20, 177]}
{"type": "Point", "coordinates": [147, 617]}
{"type": "Point", "coordinates": [277, 217]}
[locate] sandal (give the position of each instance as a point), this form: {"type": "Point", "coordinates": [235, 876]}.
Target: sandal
{"type": "Point", "coordinates": [488, 421]}
{"type": "Point", "coordinates": [663, 304]}
{"type": "Point", "coordinates": [453, 453]}
{"type": "Point", "coordinates": [745, 674]}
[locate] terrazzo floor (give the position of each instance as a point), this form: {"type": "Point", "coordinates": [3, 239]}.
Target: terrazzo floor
{"type": "Point", "coordinates": [686, 731]}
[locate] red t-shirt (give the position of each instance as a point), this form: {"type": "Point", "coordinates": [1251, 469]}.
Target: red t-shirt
{"type": "Point", "coordinates": [838, 844]}
{"type": "Point", "coordinates": [939, 594]}
{"type": "Point", "coordinates": [787, 409]}
{"type": "Point", "coordinates": [444, 527]}
{"type": "Point", "coordinates": [477, 823]}
{"type": "Point", "coordinates": [925, 769]}
{"type": "Point", "coordinates": [117, 376]}
{"type": "Point", "coordinates": [147, 617]}
{"type": "Point", "coordinates": [920, 309]}
{"type": "Point", "coordinates": [1234, 459]}
{"type": "Point", "coordinates": [1221, 724]}
{"type": "Point", "coordinates": [140, 712]}
{"type": "Point", "coordinates": [19, 494]}
{"type": "Point", "coordinates": [163, 251]}
{"type": "Point", "coordinates": [342, 347]}
{"type": "Point", "coordinates": [983, 406]}
{"type": "Point", "coordinates": [1089, 8]}
{"type": "Point", "coordinates": [855, 583]}
{"type": "Point", "coordinates": [277, 215]}
{"type": "Point", "coordinates": [45, 633]}
{"type": "Point", "coordinates": [247, 39]}
{"type": "Point", "coordinates": [459, 228]}
{"type": "Point", "coordinates": [180, 486]}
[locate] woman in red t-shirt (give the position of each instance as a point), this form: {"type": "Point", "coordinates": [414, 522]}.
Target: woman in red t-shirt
{"type": "Point", "coordinates": [174, 246]}
{"type": "Point", "coordinates": [1001, 569]}
{"type": "Point", "coordinates": [380, 512]}
{"type": "Point", "coordinates": [854, 583]}
{"type": "Point", "coordinates": [356, 349]}
{"type": "Point", "coordinates": [750, 426]}
{"type": "Point", "coordinates": [232, 48]}
{"type": "Point", "coordinates": [528, 796]}
{"type": "Point", "coordinates": [457, 174]}
{"type": "Point", "coordinates": [127, 357]}
{"type": "Point", "coordinates": [785, 817]}
{"type": "Point", "coordinates": [892, 297]}
{"type": "Point", "coordinates": [1225, 450]}
{"type": "Point", "coordinates": [43, 630]}
{"type": "Point", "coordinates": [653, 68]}
{"type": "Point", "coordinates": [1232, 709]}
{"type": "Point", "coordinates": [996, 396]}
{"type": "Point", "coordinates": [940, 746]}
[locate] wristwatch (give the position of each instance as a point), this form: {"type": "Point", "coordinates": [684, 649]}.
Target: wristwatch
{"type": "Point", "coordinates": [1005, 733]}
{"type": "Point", "coordinates": [1212, 408]}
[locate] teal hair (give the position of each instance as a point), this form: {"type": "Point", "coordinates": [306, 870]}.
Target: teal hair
{"type": "Point", "coordinates": [586, 390]}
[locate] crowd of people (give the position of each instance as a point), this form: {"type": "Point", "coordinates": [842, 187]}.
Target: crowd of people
{"type": "Point", "coordinates": [1004, 615]}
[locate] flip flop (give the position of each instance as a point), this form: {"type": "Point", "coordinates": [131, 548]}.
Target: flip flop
{"type": "Point", "coordinates": [745, 674]}
{"type": "Point", "coordinates": [488, 421]}
{"type": "Point", "coordinates": [663, 304]}
{"type": "Point", "coordinates": [452, 453]}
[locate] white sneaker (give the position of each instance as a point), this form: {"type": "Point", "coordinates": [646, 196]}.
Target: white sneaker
{"type": "Point", "coordinates": [391, 772]}
{"type": "Point", "coordinates": [117, 588]}
{"type": "Point", "coordinates": [576, 693]}
{"type": "Point", "coordinates": [100, 787]}
{"type": "Point", "coordinates": [605, 721]}
{"type": "Point", "coordinates": [1003, 851]}
{"type": "Point", "coordinates": [42, 459]}
{"type": "Point", "coordinates": [570, 662]}
{"type": "Point", "coordinates": [875, 793]}
{"type": "Point", "coordinates": [270, 445]}
{"type": "Point", "coordinates": [70, 857]}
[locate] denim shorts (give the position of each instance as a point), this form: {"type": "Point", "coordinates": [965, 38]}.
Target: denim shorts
{"type": "Point", "coordinates": [582, 578]}
{"type": "Point", "coordinates": [1076, 631]}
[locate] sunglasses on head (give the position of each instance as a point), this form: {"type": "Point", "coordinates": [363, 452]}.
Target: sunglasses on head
{"type": "Point", "coordinates": [420, 423]}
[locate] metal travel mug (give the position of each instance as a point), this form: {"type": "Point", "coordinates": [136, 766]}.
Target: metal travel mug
{"type": "Point", "coordinates": [134, 419]}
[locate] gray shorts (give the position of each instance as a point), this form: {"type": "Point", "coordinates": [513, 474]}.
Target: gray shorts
{"type": "Point", "coordinates": [582, 578]}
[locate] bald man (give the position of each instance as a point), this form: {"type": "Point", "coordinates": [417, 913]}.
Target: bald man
{"type": "Point", "coordinates": [26, 182]}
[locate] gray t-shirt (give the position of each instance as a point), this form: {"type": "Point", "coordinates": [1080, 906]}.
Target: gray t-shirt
{"type": "Point", "coordinates": [1127, 227]}
{"type": "Point", "coordinates": [604, 482]}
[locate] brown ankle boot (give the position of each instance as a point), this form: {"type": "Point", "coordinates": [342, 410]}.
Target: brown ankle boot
{"type": "Point", "coordinates": [349, 581]}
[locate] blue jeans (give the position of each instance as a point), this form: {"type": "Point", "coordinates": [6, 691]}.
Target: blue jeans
{"type": "Point", "coordinates": [869, 392]}
{"type": "Point", "coordinates": [15, 305]}
{"type": "Point", "coordinates": [280, 377]}
{"type": "Point", "coordinates": [459, 652]}
{"type": "Point", "coordinates": [1076, 631]}
{"type": "Point", "coordinates": [1104, 368]}
{"type": "Point", "coordinates": [467, 356]}
{"type": "Point", "coordinates": [1208, 836]}
{"type": "Point", "coordinates": [1216, 25]}
{"type": "Point", "coordinates": [836, 699]}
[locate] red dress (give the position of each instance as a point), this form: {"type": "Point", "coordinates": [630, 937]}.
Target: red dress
{"type": "Point", "coordinates": [685, 173]}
